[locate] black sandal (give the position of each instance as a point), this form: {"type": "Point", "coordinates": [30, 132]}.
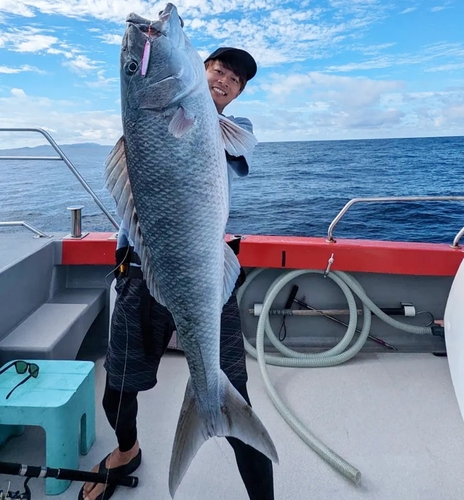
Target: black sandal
{"type": "Point", "coordinates": [122, 470]}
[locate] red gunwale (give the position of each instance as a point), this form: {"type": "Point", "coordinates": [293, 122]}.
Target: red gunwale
{"type": "Point", "coordinates": [290, 252]}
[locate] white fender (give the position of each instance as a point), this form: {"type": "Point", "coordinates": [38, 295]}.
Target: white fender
{"type": "Point", "coordinates": [454, 334]}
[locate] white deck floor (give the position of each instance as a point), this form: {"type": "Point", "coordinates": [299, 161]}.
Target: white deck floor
{"type": "Point", "coordinates": [394, 417]}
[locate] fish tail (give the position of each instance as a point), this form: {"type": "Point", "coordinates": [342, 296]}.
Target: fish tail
{"type": "Point", "coordinates": [234, 418]}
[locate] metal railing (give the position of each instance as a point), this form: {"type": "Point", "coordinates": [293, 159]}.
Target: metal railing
{"type": "Point", "coordinates": [61, 157]}
{"type": "Point", "coordinates": [37, 232]}
{"type": "Point", "coordinates": [393, 199]}
{"type": "Point", "coordinates": [457, 238]}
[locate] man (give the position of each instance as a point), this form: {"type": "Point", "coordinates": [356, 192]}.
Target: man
{"type": "Point", "coordinates": [141, 328]}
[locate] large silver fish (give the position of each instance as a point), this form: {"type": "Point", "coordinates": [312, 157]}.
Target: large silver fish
{"type": "Point", "coordinates": [168, 176]}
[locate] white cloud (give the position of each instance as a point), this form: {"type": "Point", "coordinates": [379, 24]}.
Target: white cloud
{"type": "Point", "coordinates": [270, 29]}
{"type": "Point", "coordinates": [290, 104]}
{"type": "Point", "coordinates": [454, 114]}
{"type": "Point", "coordinates": [355, 89]}
{"type": "Point", "coordinates": [81, 64]}
{"type": "Point", "coordinates": [115, 10]}
{"type": "Point", "coordinates": [111, 38]}
{"type": "Point", "coordinates": [376, 119]}
{"type": "Point", "coordinates": [376, 63]}
{"type": "Point", "coordinates": [27, 39]}
{"type": "Point", "coordinates": [429, 53]}
{"type": "Point", "coordinates": [17, 8]}
{"type": "Point", "coordinates": [283, 35]}
{"type": "Point", "coordinates": [314, 105]}
{"type": "Point", "coordinates": [307, 106]}
{"type": "Point", "coordinates": [446, 67]}
{"type": "Point", "coordinates": [408, 10]}
{"type": "Point", "coordinates": [36, 43]}
{"type": "Point", "coordinates": [19, 93]}
{"type": "Point", "coordinates": [317, 105]}
{"type": "Point", "coordinates": [100, 9]}
{"type": "Point", "coordinates": [67, 53]}
{"type": "Point", "coordinates": [101, 81]}
{"type": "Point", "coordinates": [445, 49]}
{"type": "Point", "coordinates": [20, 69]}
{"type": "Point", "coordinates": [65, 120]}
{"type": "Point", "coordinates": [373, 49]}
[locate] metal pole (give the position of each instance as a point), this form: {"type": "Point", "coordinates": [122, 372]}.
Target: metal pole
{"type": "Point", "coordinates": [76, 221]}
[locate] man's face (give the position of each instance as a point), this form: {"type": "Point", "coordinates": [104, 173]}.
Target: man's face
{"type": "Point", "coordinates": [224, 84]}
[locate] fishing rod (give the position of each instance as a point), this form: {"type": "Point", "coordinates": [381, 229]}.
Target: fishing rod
{"type": "Point", "coordinates": [31, 471]}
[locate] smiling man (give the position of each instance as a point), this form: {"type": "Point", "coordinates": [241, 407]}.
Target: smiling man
{"type": "Point", "coordinates": [228, 70]}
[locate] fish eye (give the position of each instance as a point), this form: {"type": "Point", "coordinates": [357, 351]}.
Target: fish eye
{"type": "Point", "coordinates": [131, 67]}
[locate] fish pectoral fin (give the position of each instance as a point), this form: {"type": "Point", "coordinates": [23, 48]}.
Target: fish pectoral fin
{"type": "Point", "coordinates": [181, 122]}
{"type": "Point", "coordinates": [237, 140]}
{"type": "Point", "coordinates": [231, 271]}
{"type": "Point", "coordinates": [234, 418]}
{"type": "Point", "coordinates": [118, 184]}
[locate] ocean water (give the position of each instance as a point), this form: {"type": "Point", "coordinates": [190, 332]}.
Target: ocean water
{"type": "Point", "coordinates": [294, 189]}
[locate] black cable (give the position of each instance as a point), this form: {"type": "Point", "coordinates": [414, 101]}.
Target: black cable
{"type": "Point", "coordinates": [288, 305]}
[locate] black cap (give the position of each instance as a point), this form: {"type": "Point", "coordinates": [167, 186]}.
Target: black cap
{"type": "Point", "coordinates": [239, 57]}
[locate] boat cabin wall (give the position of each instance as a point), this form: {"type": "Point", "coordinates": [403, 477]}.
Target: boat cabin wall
{"type": "Point", "coordinates": [427, 294]}
{"type": "Point", "coordinates": [27, 267]}
{"type": "Point", "coordinates": [50, 310]}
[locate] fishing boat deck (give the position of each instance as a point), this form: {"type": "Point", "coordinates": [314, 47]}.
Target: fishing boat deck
{"type": "Point", "coordinates": [17, 246]}
{"type": "Point", "coordinates": [393, 416]}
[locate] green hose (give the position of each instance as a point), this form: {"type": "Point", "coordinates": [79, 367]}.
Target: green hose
{"type": "Point", "coordinates": [332, 357]}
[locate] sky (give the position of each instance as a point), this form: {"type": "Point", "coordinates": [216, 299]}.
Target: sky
{"type": "Point", "coordinates": [327, 69]}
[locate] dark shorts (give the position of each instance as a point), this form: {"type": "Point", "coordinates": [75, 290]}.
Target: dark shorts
{"type": "Point", "coordinates": [140, 333]}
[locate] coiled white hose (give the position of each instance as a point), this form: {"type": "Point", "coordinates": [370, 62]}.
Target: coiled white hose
{"type": "Point", "coordinates": [334, 356]}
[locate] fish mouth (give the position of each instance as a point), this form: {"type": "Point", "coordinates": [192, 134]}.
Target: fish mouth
{"type": "Point", "coordinates": [154, 28]}
{"type": "Point", "coordinates": [148, 28]}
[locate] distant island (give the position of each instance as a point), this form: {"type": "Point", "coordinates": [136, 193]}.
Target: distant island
{"type": "Point", "coordinates": [47, 149]}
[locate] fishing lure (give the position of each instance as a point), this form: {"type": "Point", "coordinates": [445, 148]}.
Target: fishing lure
{"type": "Point", "coordinates": [146, 54]}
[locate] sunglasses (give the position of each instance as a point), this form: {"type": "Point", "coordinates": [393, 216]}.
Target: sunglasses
{"type": "Point", "coordinates": [21, 368]}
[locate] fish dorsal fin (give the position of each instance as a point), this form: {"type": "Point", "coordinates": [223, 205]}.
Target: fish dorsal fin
{"type": "Point", "coordinates": [118, 184]}
{"type": "Point", "coordinates": [237, 140]}
{"type": "Point", "coordinates": [231, 271]}
{"type": "Point", "coordinates": [181, 122]}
